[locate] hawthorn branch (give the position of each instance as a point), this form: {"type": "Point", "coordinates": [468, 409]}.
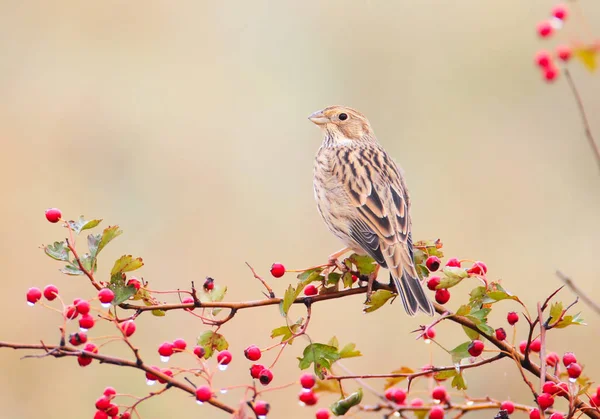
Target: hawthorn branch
{"type": "Point", "coordinates": [578, 292]}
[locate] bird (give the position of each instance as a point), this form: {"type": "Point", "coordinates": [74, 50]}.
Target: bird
{"type": "Point", "coordinates": [362, 197]}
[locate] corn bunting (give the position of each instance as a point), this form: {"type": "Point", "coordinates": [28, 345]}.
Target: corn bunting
{"type": "Point", "coordinates": [362, 197]}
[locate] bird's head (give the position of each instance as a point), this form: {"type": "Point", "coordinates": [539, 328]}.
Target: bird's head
{"type": "Point", "coordinates": [341, 124]}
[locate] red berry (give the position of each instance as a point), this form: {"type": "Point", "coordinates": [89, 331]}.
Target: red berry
{"type": "Point", "coordinates": [50, 292]}
{"type": "Point", "coordinates": [261, 408]}
{"type": "Point", "coordinates": [453, 262]}
{"type": "Point", "coordinates": [277, 270]}
{"type": "Point", "coordinates": [106, 296]}
{"type": "Point", "coordinates": [256, 369]}
{"type": "Point", "coordinates": [100, 415]}
{"type": "Point", "coordinates": [354, 279]}
{"type": "Point", "coordinates": [536, 345]}
{"type": "Point", "coordinates": [135, 283]}
{"type": "Point", "coordinates": [71, 312]}
{"type": "Point", "coordinates": [523, 346]}
{"type": "Point", "coordinates": [598, 391]}
{"type": "Point", "coordinates": [563, 389]}
{"type": "Point", "coordinates": [209, 284]}
{"type": "Point", "coordinates": [550, 387]}
{"type": "Point", "coordinates": [82, 306]}
{"type": "Point", "coordinates": [188, 300]}
{"type": "Point", "coordinates": [433, 263]}
{"type": "Point", "coordinates": [86, 322]}
{"type": "Point", "coordinates": [399, 396]}
{"type": "Point", "coordinates": [560, 11]}
{"type": "Point", "coordinates": [203, 394]}
{"type": "Point", "coordinates": [150, 376]}
{"type": "Point", "coordinates": [500, 333]}
{"type": "Point", "coordinates": [429, 333]}
{"type": "Point", "coordinates": [308, 381]}
{"type": "Point", "coordinates": [534, 414]}
{"type": "Point", "coordinates": [224, 357]}
{"type": "Point", "coordinates": [442, 296]}
{"type": "Point", "coordinates": [439, 393]}
{"type": "Point", "coordinates": [433, 282]}
{"type": "Point", "coordinates": [545, 400]}
{"type": "Point", "coordinates": [125, 415]}
{"type": "Point", "coordinates": [569, 358]}
{"type": "Point", "coordinates": [389, 394]}
{"type": "Point", "coordinates": [552, 359]}
{"type": "Point", "coordinates": [265, 376]}
{"type": "Point", "coordinates": [544, 29]}
{"type": "Point", "coordinates": [90, 347]}
{"type": "Point", "coordinates": [475, 348]}
{"type": "Point", "coordinates": [78, 338]}
{"type": "Point", "coordinates": [478, 268]}
{"type": "Point", "coordinates": [310, 290]}
{"type": "Point", "coordinates": [543, 59]}
{"type": "Point", "coordinates": [33, 295]}
{"type": "Point", "coordinates": [53, 215]}
{"type": "Point", "coordinates": [564, 52]}
{"type": "Point", "coordinates": [556, 415]}
{"type": "Point", "coordinates": [179, 345]}
{"type": "Point", "coordinates": [166, 349]}
{"type": "Point", "coordinates": [416, 402]}
{"type": "Point", "coordinates": [84, 361]}
{"type": "Point", "coordinates": [308, 398]}
{"type": "Point", "coordinates": [508, 406]}
{"type": "Point", "coordinates": [109, 392]}
{"type": "Point", "coordinates": [253, 353]}
{"type": "Point", "coordinates": [128, 327]}
{"type": "Point", "coordinates": [166, 372]}
{"type": "Point", "coordinates": [574, 370]}
{"type": "Point", "coordinates": [436, 412]}
{"type": "Point", "coordinates": [512, 318]}
{"type": "Point", "coordinates": [550, 73]}
{"type": "Point", "coordinates": [113, 410]}
{"type": "Point", "coordinates": [102, 403]}
{"type": "Point", "coordinates": [595, 400]}
{"type": "Point", "coordinates": [199, 351]}
{"type": "Point", "coordinates": [322, 414]}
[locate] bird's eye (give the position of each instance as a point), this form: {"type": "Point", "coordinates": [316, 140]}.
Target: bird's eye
{"type": "Point", "coordinates": [343, 116]}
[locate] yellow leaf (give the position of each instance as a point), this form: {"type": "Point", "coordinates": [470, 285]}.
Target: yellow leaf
{"type": "Point", "coordinates": [392, 381]}
{"type": "Point", "coordinates": [587, 56]}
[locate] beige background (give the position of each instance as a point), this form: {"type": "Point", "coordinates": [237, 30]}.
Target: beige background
{"type": "Point", "coordinates": [185, 123]}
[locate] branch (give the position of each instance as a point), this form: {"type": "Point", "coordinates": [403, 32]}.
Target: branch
{"type": "Point", "coordinates": [578, 292]}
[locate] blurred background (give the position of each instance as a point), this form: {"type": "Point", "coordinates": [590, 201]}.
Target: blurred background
{"type": "Point", "coordinates": [185, 123]}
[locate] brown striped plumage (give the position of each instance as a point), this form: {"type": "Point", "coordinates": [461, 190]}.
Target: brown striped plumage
{"type": "Point", "coordinates": [361, 195]}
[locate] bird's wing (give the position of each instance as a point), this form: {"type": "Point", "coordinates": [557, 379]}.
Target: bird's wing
{"type": "Point", "coordinates": [382, 225]}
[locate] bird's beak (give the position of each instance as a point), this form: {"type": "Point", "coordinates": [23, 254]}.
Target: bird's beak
{"type": "Point", "coordinates": [318, 118]}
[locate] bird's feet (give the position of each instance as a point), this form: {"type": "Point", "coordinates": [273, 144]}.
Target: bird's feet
{"type": "Point", "coordinates": [372, 278]}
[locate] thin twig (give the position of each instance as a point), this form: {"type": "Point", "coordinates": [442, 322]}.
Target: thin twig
{"type": "Point", "coordinates": [269, 289]}
{"type": "Point", "coordinates": [573, 287]}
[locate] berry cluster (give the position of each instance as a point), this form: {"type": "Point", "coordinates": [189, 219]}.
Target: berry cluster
{"type": "Point", "coordinates": [544, 59]}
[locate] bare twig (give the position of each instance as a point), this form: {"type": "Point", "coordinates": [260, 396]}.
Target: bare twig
{"type": "Point", "coordinates": [573, 287]}
{"type": "Point", "coordinates": [269, 289]}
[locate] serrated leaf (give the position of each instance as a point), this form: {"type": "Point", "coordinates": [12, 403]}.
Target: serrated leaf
{"type": "Point", "coordinates": [334, 342]}
{"type": "Point", "coordinates": [349, 351]}
{"type": "Point", "coordinates": [556, 310]}
{"type": "Point", "coordinates": [88, 262]}
{"type": "Point", "coordinates": [587, 56]}
{"type": "Point", "coordinates": [122, 292]}
{"type": "Point", "coordinates": [471, 334]}
{"type": "Point", "coordinates": [341, 407]}
{"type": "Point", "coordinates": [288, 298]}
{"type": "Point", "coordinates": [333, 278]}
{"type": "Point", "coordinates": [303, 276]}
{"type": "Point", "coordinates": [392, 381]}
{"type": "Point", "coordinates": [378, 299]}
{"type": "Point", "coordinates": [322, 356]}
{"type": "Point", "coordinates": [159, 313]}
{"type": "Point", "coordinates": [93, 241]}
{"type": "Point", "coordinates": [347, 280]}
{"type": "Point", "coordinates": [83, 224]}
{"type": "Point", "coordinates": [212, 341]}
{"type": "Point", "coordinates": [286, 332]}
{"type": "Point", "coordinates": [365, 265]}
{"type": "Point", "coordinates": [109, 233]}
{"type": "Point", "coordinates": [571, 320]}
{"type": "Point", "coordinates": [72, 270]}
{"type": "Point", "coordinates": [327, 386]}
{"type": "Point", "coordinates": [58, 251]}
{"type": "Point", "coordinates": [216, 295]}
{"type": "Point", "coordinates": [460, 352]}
{"type": "Point", "coordinates": [480, 314]}
{"type": "Point", "coordinates": [126, 263]}
{"type": "Point", "coordinates": [459, 382]}
{"type": "Point", "coordinates": [451, 276]}
{"type": "Point", "coordinates": [422, 270]}
{"type": "Point", "coordinates": [444, 375]}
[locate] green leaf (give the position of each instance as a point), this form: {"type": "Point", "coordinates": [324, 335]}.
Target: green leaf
{"type": "Point", "coordinates": [392, 381]}
{"type": "Point", "coordinates": [288, 298]}
{"type": "Point", "coordinates": [378, 299]}
{"type": "Point", "coordinates": [347, 280]}
{"type": "Point", "coordinates": [88, 262]}
{"type": "Point", "coordinates": [108, 235]}
{"type": "Point", "coordinates": [452, 276]}
{"type": "Point", "coordinates": [459, 382]}
{"type": "Point", "coordinates": [571, 320]}
{"type": "Point", "coordinates": [310, 275]}
{"type": "Point", "coordinates": [479, 317]}
{"type": "Point", "coordinates": [71, 269]}
{"type": "Point", "coordinates": [334, 342]}
{"type": "Point", "coordinates": [365, 265]}
{"type": "Point", "coordinates": [341, 407]}
{"type": "Point", "coordinates": [212, 341]}
{"type": "Point", "coordinates": [349, 351]}
{"type": "Point", "coordinates": [322, 356]}
{"type": "Point", "coordinates": [286, 332]}
{"type": "Point", "coordinates": [58, 251]}
{"type": "Point", "coordinates": [93, 241]}
{"type": "Point", "coordinates": [460, 352]}
{"type": "Point", "coordinates": [217, 294]}
{"type": "Point", "coordinates": [126, 263]}
{"type": "Point", "coordinates": [333, 278]}
{"type": "Point", "coordinates": [159, 313]}
{"type": "Point", "coordinates": [471, 334]}
{"type": "Point", "coordinates": [463, 310]}
{"type": "Point", "coordinates": [82, 224]}
{"type": "Point", "coordinates": [122, 292]}
{"type": "Point", "coordinates": [444, 375]}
